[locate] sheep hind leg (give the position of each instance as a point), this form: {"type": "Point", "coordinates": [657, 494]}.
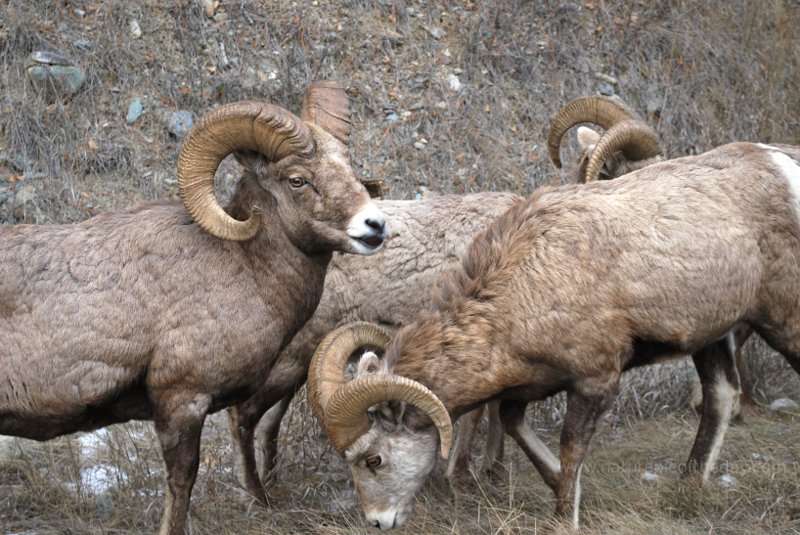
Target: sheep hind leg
{"type": "Point", "coordinates": [179, 424]}
{"type": "Point", "coordinates": [243, 422]}
{"type": "Point", "coordinates": [458, 465]}
{"type": "Point", "coordinates": [719, 378]}
{"type": "Point", "coordinates": [512, 416]}
{"type": "Point", "coordinates": [495, 438]}
{"type": "Point", "coordinates": [267, 433]}
{"type": "Point", "coordinates": [746, 406]}
{"type": "Point", "coordinates": [243, 431]}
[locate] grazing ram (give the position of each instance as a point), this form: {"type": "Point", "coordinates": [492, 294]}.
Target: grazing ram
{"type": "Point", "coordinates": [563, 292]}
{"type": "Point", "coordinates": [427, 238]}
{"type": "Point", "coordinates": [171, 312]}
{"type": "Point", "coordinates": [628, 144]}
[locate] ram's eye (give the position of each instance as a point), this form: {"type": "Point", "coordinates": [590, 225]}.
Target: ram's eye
{"type": "Point", "coordinates": [296, 182]}
{"type": "Point", "coordinates": [373, 461]}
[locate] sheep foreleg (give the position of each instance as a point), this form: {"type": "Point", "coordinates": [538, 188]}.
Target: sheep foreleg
{"type": "Point", "coordinates": [584, 409]}
{"type": "Point", "coordinates": [178, 422]}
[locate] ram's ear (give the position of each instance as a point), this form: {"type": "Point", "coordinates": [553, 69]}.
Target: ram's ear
{"type": "Point", "coordinates": [587, 138]}
{"type": "Point", "coordinates": [252, 161]}
{"type": "Point", "coordinates": [388, 413]}
{"type": "Point", "coordinates": [371, 364]}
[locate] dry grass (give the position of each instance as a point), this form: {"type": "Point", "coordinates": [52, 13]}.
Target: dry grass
{"type": "Point", "coordinates": [703, 73]}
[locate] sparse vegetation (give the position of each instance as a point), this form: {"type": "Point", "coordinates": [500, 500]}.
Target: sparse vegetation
{"type": "Point", "coordinates": [449, 96]}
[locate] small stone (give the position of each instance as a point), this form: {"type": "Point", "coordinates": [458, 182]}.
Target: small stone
{"type": "Point", "coordinates": [209, 8]}
{"type": "Point", "coordinates": [649, 477]}
{"type": "Point", "coordinates": [783, 404]}
{"type": "Point", "coordinates": [135, 29]}
{"type": "Point", "coordinates": [453, 82]}
{"type": "Point", "coordinates": [435, 31]}
{"type": "Point", "coordinates": [180, 122]}
{"type": "Point", "coordinates": [83, 43]}
{"type": "Point", "coordinates": [607, 78]}
{"type": "Point", "coordinates": [441, 105]}
{"type": "Point", "coordinates": [135, 110]}
{"type": "Point", "coordinates": [727, 481]}
{"type": "Point", "coordinates": [605, 89]}
{"type": "Point", "coordinates": [46, 57]}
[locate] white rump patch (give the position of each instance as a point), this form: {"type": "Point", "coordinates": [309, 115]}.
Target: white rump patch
{"type": "Point", "coordinates": [789, 168]}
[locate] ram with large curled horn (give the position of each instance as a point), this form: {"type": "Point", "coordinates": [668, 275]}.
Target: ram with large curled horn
{"type": "Point", "coordinates": [627, 144]}
{"type": "Point", "coordinates": [171, 312]}
{"type": "Point", "coordinates": [565, 291]}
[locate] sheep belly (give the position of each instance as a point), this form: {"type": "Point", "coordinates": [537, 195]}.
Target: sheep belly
{"type": "Point", "coordinates": [88, 395]}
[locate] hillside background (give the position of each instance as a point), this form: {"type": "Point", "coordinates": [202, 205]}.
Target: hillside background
{"type": "Point", "coordinates": [449, 97]}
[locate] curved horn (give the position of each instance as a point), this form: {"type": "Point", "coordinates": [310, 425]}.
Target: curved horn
{"type": "Point", "coordinates": [264, 128]}
{"type": "Point", "coordinates": [327, 105]}
{"type": "Point", "coordinates": [602, 111]}
{"type": "Point", "coordinates": [326, 372]}
{"type": "Point", "coordinates": [635, 139]}
{"type": "Point", "coordinates": [347, 420]}
{"type": "Point", "coordinates": [341, 407]}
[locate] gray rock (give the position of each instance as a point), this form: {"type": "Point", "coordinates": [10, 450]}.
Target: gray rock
{"type": "Point", "coordinates": [605, 89]}
{"type": "Point", "coordinates": [180, 122]}
{"type": "Point", "coordinates": [783, 404]}
{"type": "Point", "coordinates": [135, 29]}
{"type": "Point", "coordinates": [46, 57]}
{"type": "Point", "coordinates": [453, 82]}
{"type": "Point", "coordinates": [436, 31]}
{"type": "Point", "coordinates": [135, 110]}
{"type": "Point", "coordinates": [54, 76]}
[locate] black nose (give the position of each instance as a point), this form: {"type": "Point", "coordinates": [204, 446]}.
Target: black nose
{"type": "Point", "coordinates": [378, 225]}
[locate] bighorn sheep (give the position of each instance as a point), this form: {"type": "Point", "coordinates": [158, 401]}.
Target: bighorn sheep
{"type": "Point", "coordinates": [426, 239]}
{"type": "Point", "coordinates": [169, 313]}
{"type": "Point", "coordinates": [628, 144]}
{"type": "Point", "coordinates": [565, 291]}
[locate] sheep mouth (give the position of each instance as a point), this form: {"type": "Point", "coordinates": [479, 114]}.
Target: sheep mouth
{"type": "Point", "coordinates": [372, 242]}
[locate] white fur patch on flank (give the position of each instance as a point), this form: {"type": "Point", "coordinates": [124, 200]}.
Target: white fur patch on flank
{"type": "Point", "coordinates": [789, 168]}
{"type": "Point", "coordinates": [724, 395]}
